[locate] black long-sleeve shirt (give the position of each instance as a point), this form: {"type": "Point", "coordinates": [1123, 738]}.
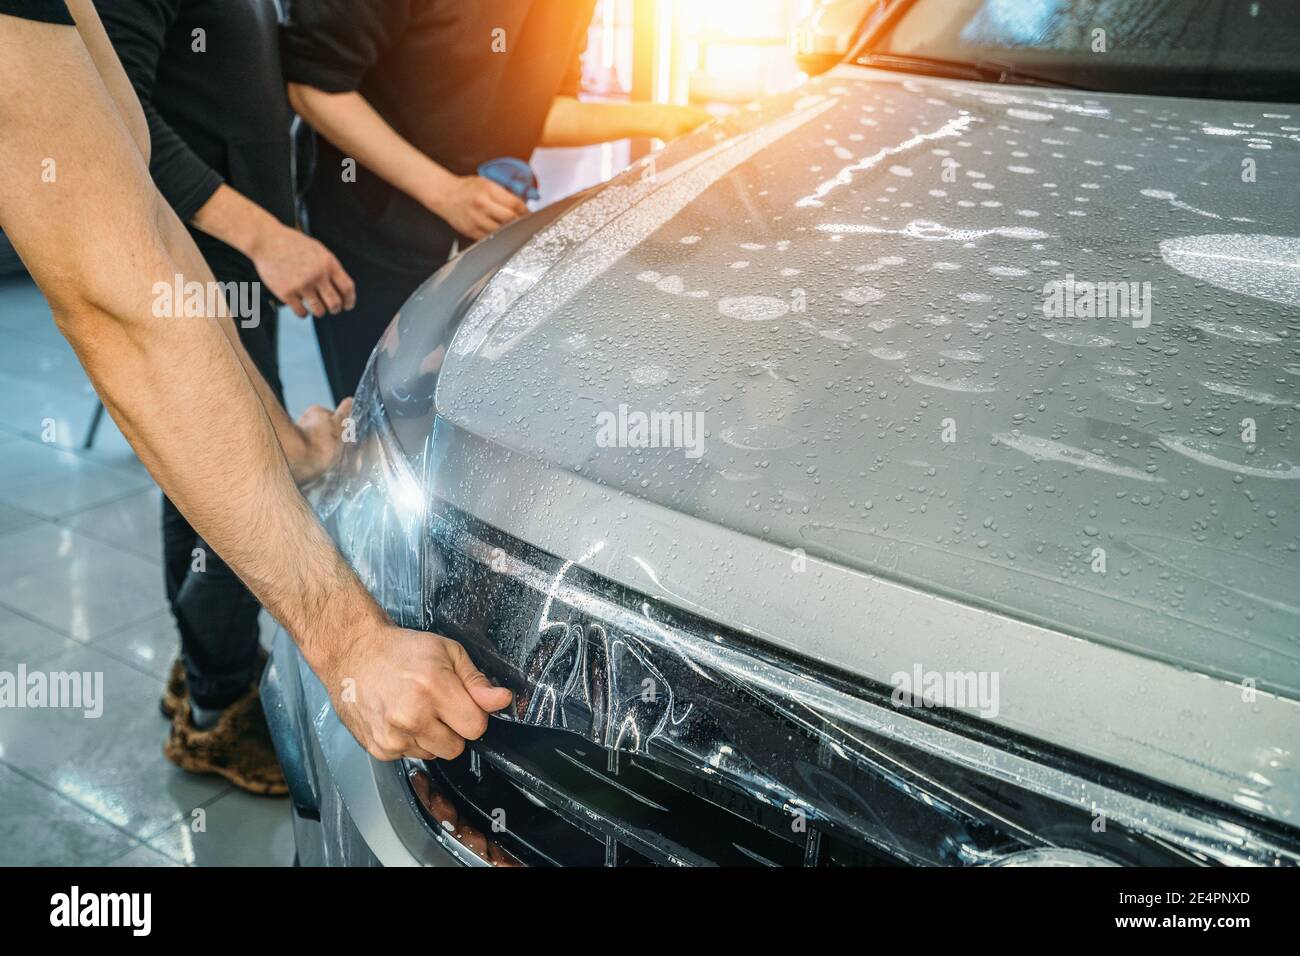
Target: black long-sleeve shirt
{"type": "Point", "coordinates": [207, 73]}
{"type": "Point", "coordinates": [464, 81]}
{"type": "Point", "coordinates": [42, 11]}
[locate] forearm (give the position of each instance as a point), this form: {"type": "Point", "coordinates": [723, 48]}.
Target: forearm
{"type": "Point", "coordinates": [216, 455]}
{"type": "Point", "coordinates": [182, 249]}
{"type": "Point", "coordinates": [236, 220]}
{"type": "Point", "coordinates": [572, 122]}
{"type": "Point", "coordinates": [358, 131]}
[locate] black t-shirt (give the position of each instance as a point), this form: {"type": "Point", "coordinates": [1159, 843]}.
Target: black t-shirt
{"type": "Point", "coordinates": [464, 81]}
{"type": "Point", "coordinates": [46, 11]}
{"type": "Point", "coordinates": [217, 112]}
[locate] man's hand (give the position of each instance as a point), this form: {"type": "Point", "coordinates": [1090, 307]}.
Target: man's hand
{"type": "Point", "coordinates": [301, 272]}
{"type": "Point", "coordinates": [573, 122]}
{"type": "Point", "coordinates": [476, 207]}
{"type": "Point", "coordinates": [672, 120]}
{"type": "Point", "coordinates": [409, 693]}
{"type": "Point", "coordinates": [322, 441]}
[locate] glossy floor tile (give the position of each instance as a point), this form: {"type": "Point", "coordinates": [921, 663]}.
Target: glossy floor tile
{"type": "Point", "coordinates": [133, 523]}
{"type": "Point", "coordinates": [75, 584]}
{"type": "Point", "coordinates": [149, 646]}
{"type": "Point", "coordinates": [236, 829]}
{"type": "Point", "coordinates": [112, 765]}
{"type": "Point", "coordinates": [53, 482]}
{"type": "Point", "coordinates": [12, 519]}
{"type": "Point", "coordinates": [143, 855]}
{"type": "Point", "coordinates": [24, 641]}
{"type": "Point", "coordinates": [40, 828]}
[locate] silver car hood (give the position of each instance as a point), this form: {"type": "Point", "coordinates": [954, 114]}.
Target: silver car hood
{"type": "Point", "coordinates": [905, 464]}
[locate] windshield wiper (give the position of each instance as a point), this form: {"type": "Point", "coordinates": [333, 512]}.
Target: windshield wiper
{"type": "Point", "coordinates": [989, 71]}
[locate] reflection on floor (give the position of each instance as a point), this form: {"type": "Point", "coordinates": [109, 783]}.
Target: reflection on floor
{"type": "Point", "coordinates": [81, 590]}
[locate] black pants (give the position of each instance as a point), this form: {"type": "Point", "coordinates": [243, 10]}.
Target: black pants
{"type": "Point", "coordinates": [347, 339]}
{"type": "Point", "coordinates": [215, 614]}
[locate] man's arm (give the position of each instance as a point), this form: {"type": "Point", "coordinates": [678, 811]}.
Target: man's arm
{"type": "Point", "coordinates": [298, 269]}
{"type": "Point", "coordinates": [328, 47]}
{"type": "Point", "coordinates": [93, 238]}
{"type": "Point", "coordinates": [474, 206]}
{"type": "Point", "coordinates": [572, 122]}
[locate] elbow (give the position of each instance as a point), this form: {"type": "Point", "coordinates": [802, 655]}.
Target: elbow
{"type": "Point", "coordinates": [300, 98]}
{"type": "Point", "coordinates": [296, 98]}
{"type": "Point", "coordinates": [77, 318]}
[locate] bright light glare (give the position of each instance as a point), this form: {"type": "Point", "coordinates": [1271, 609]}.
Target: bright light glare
{"type": "Point", "coordinates": [739, 49]}
{"type": "Point", "coordinates": [737, 19]}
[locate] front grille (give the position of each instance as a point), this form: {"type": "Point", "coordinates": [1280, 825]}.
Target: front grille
{"type": "Point", "coordinates": [550, 798]}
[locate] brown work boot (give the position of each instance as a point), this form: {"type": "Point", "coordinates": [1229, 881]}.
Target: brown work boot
{"type": "Point", "coordinates": [175, 691]}
{"type": "Point", "coordinates": [237, 747]}
{"type": "Point", "coordinates": [177, 687]}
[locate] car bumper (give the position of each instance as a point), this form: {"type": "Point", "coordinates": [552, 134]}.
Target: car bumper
{"type": "Point", "coordinates": [348, 808]}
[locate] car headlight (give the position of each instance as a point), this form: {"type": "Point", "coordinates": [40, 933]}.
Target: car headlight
{"type": "Point", "coordinates": [641, 734]}
{"type": "Point", "coordinates": [372, 503]}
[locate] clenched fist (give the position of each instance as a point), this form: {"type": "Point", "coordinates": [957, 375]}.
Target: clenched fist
{"type": "Point", "coordinates": [477, 207]}
{"type": "Point", "coordinates": [321, 444]}
{"type": "Point", "coordinates": [410, 693]}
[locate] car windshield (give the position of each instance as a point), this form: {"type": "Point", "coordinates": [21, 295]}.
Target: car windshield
{"type": "Point", "coordinates": [1216, 49]}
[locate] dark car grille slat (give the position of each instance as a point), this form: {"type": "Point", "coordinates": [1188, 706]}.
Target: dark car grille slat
{"type": "Point", "coordinates": [569, 802]}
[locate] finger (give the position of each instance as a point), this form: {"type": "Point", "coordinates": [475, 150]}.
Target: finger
{"type": "Point", "coordinates": [417, 752]}
{"type": "Point", "coordinates": [343, 282]}
{"type": "Point", "coordinates": [481, 690]}
{"type": "Point", "coordinates": [455, 707]}
{"type": "Point", "coordinates": [326, 293]}
{"type": "Point", "coordinates": [441, 741]}
{"type": "Point", "coordinates": [296, 306]}
{"type": "Point", "coordinates": [504, 197]}
{"type": "Point", "coordinates": [388, 746]}
{"type": "Point", "coordinates": [312, 416]}
{"type": "Point", "coordinates": [313, 304]}
{"type": "Point", "coordinates": [500, 213]}
{"type": "Point", "coordinates": [343, 411]}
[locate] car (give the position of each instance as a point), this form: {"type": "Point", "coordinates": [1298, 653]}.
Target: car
{"type": "Point", "coordinates": [902, 470]}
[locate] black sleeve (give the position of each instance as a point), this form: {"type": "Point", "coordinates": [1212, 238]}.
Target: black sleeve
{"type": "Point", "coordinates": [571, 85]}
{"type": "Point", "coordinates": [46, 11]}
{"type": "Point", "coordinates": [332, 44]}
{"type": "Point", "coordinates": [138, 30]}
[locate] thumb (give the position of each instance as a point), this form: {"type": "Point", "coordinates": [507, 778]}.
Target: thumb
{"type": "Point", "coordinates": [488, 697]}
{"type": "Point", "coordinates": [313, 415]}
{"type": "Point", "coordinates": [480, 689]}
{"type": "Point", "coordinates": [344, 410]}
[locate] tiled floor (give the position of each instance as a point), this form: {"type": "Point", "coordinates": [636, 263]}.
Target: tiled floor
{"type": "Point", "coordinates": [81, 590]}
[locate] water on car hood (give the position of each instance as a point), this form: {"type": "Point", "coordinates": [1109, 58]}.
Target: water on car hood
{"type": "Point", "coordinates": [1037, 350]}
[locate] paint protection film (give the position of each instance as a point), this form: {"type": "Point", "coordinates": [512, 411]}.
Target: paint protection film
{"type": "Point", "coordinates": [680, 743]}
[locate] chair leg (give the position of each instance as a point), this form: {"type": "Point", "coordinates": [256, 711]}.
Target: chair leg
{"type": "Point", "coordinates": [94, 425]}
